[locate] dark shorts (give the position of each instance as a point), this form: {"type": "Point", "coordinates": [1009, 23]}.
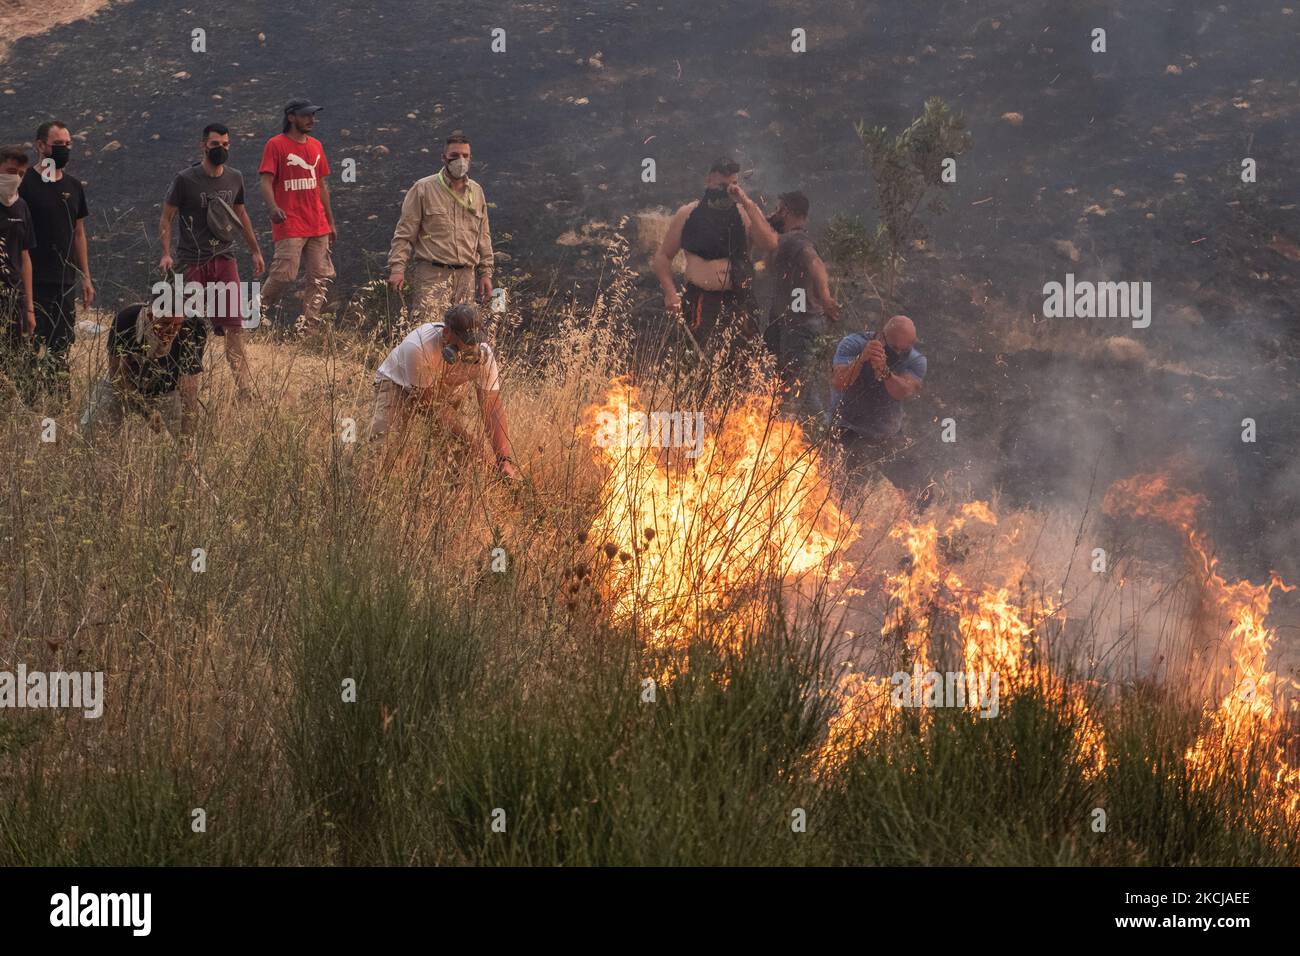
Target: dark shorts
{"type": "Point", "coordinates": [229, 313]}
{"type": "Point", "coordinates": [709, 312]}
{"type": "Point", "coordinates": [800, 345]}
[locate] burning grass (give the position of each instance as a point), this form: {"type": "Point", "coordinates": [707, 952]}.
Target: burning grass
{"type": "Point", "coordinates": [557, 690]}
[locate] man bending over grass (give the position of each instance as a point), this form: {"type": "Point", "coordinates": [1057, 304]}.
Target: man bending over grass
{"type": "Point", "coordinates": [154, 363]}
{"type": "Point", "coordinates": [427, 374]}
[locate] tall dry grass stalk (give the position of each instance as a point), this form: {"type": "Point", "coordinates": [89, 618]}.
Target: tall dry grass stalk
{"type": "Point", "coordinates": [480, 689]}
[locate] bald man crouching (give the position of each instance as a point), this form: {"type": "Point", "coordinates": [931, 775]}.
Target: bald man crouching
{"type": "Point", "coordinates": [873, 374]}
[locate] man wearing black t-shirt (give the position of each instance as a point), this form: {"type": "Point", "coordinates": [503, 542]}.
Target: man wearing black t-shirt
{"type": "Point", "coordinates": [154, 365]}
{"type": "Point", "coordinates": [60, 261]}
{"type": "Point", "coordinates": [17, 314]}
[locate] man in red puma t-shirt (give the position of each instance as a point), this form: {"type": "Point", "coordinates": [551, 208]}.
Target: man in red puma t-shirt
{"type": "Point", "coordinates": [292, 177]}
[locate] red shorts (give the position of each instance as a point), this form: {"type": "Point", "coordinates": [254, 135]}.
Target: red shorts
{"type": "Point", "coordinates": [222, 307]}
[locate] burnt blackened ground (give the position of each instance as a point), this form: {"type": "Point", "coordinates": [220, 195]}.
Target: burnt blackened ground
{"type": "Point", "coordinates": [1125, 166]}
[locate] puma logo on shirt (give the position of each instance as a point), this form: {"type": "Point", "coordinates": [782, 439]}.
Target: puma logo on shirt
{"type": "Point", "coordinates": [306, 182]}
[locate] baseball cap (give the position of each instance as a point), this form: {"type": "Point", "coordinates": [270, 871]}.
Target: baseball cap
{"type": "Point", "coordinates": [462, 319]}
{"type": "Point", "coordinates": [301, 106]}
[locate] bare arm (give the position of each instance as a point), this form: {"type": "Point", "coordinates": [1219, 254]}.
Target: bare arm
{"type": "Point", "coordinates": [29, 317]}
{"type": "Point", "coordinates": [494, 422]}
{"type": "Point", "coordinates": [329, 210]}
{"type": "Point", "coordinates": [250, 238]}
{"type": "Point", "coordinates": [903, 386]}
{"type": "Point", "coordinates": [165, 236]}
{"type": "Point", "coordinates": [266, 183]}
{"type": "Point", "coordinates": [83, 263]}
{"type": "Point", "coordinates": [845, 374]}
{"type": "Point", "coordinates": [761, 234]}
{"type": "Point", "coordinates": [822, 288]}
{"type": "Point", "coordinates": [668, 249]}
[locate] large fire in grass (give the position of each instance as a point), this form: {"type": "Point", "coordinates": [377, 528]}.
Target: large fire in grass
{"type": "Point", "coordinates": [698, 520]}
{"type": "Point", "coordinates": [697, 526]}
{"type": "Point", "coordinates": [996, 636]}
{"type": "Point", "coordinates": [1244, 731]}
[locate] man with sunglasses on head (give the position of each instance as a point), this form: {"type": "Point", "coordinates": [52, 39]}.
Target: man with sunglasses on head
{"type": "Point", "coordinates": [154, 363]}
{"type": "Point", "coordinates": [428, 374]}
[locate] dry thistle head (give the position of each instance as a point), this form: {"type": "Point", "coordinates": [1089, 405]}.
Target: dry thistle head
{"type": "Point", "coordinates": [649, 534]}
{"type": "Point", "coordinates": [611, 549]}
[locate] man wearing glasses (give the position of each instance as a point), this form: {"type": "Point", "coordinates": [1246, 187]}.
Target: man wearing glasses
{"type": "Point", "coordinates": [428, 373]}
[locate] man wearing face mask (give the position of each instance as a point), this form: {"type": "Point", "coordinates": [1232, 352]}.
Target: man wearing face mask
{"type": "Point", "coordinates": [718, 232]}
{"type": "Point", "coordinates": [61, 260]}
{"type": "Point", "coordinates": [442, 246]}
{"type": "Point", "coordinates": [428, 373]}
{"type": "Point", "coordinates": [207, 200]}
{"type": "Point", "coordinates": [873, 374]}
{"type": "Point", "coordinates": [292, 175]}
{"type": "Point", "coordinates": [802, 305]}
{"type": "Point", "coordinates": [17, 238]}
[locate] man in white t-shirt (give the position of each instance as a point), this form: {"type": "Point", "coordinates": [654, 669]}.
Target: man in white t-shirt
{"type": "Point", "coordinates": [428, 373]}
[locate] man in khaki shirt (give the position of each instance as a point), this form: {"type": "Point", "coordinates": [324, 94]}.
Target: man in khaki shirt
{"type": "Point", "coordinates": [442, 238]}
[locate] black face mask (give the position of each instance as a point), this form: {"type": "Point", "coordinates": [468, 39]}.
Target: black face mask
{"type": "Point", "coordinates": [60, 155]}
{"type": "Point", "coordinates": [892, 355]}
{"type": "Point", "coordinates": [718, 198]}
{"type": "Point", "coordinates": [776, 222]}
{"type": "Point", "coordinates": [218, 155]}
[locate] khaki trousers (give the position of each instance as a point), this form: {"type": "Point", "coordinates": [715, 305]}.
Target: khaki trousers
{"type": "Point", "coordinates": [394, 406]}
{"type": "Point", "coordinates": [313, 254]}
{"type": "Point", "coordinates": [434, 289]}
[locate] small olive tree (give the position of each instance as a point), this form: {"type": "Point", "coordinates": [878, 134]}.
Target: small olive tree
{"type": "Point", "coordinates": [906, 171]}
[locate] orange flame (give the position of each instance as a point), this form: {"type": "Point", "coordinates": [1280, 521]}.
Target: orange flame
{"type": "Point", "coordinates": [708, 527]}
{"type": "Point", "coordinates": [1246, 728]}
{"type": "Point", "coordinates": [996, 637]}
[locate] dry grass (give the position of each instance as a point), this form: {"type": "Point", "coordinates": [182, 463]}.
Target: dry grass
{"type": "Point", "coordinates": [24, 18]}
{"type": "Point", "coordinates": [479, 689]}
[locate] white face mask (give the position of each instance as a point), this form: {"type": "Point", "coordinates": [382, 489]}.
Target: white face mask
{"type": "Point", "coordinates": [458, 168]}
{"type": "Point", "coordinates": [9, 187]}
